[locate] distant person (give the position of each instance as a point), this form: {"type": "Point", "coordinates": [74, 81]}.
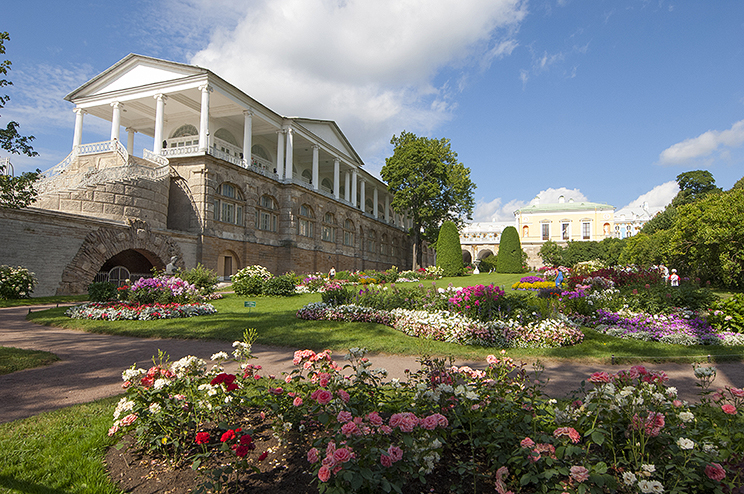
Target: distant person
{"type": "Point", "coordinates": [674, 278]}
{"type": "Point", "coordinates": [559, 279]}
{"type": "Point", "coordinates": [664, 273]}
{"type": "Point", "coordinates": [332, 273]}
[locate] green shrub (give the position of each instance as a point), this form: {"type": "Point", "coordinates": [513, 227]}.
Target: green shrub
{"type": "Point", "coordinates": [487, 264]}
{"type": "Point", "coordinates": [16, 282]}
{"type": "Point", "coordinates": [280, 286]}
{"type": "Point", "coordinates": [509, 258]}
{"type": "Point", "coordinates": [205, 280]}
{"type": "Point", "coordinates": [449, 251]}
{"type": "Point", "coordinates": [728, 315]}
{"type": "Point", "coordinates": [249, 285]}
{"type": "Point", "coordinates": [102, 291]}
{"type": "Point", "coordinates": [661, 298]}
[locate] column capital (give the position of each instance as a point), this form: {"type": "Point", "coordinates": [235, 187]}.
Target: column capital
{"type": "Point", "coordinates": [80, 111]}
{"type": "Point", "coordinates": [206, 88]}
{"type": "Point", "coordinates": [161, 97]}
{"type": "Point", "coordinates": [130, 129]}
{"type": "Point", "coordinates": [248, 112]}
{"type": "Point", "coordinates": [117, 104]}
{"type": "Point", "coordinates": [281, 131]}
{"type": "Point", "coordinates": [315, 146]}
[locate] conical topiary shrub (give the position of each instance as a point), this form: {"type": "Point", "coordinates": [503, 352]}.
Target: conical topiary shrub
{"type": "Point", "coordinates": [449, 251]}
{"type": "Point", "coordinates": [509, 258]}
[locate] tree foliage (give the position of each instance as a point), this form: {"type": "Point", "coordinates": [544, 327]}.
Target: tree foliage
{"type": "Point", "coordinates": [693, 186]}
{"type": "Point", "coordinates": [510, 256]}
{"type": "Point", "coordinates": [428, 184]}
{"type": "Point", "coordinates": [449, 250]}
{"type": "Point", "coordinates": [706, 241]}
{"type": "Point", "coordinates": [10, 139]}
{"type": "Point", "coordinates": [607, 250]}
{"type": "Point", "coordinates": [551, 253]}
{"type": "Point", "coordinates": [15, 192]}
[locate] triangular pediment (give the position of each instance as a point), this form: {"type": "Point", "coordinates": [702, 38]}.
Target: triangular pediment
{"type": "Point", "coordinates": [134, 71]}
{"type": "Point", "coordinates": [330, 133]}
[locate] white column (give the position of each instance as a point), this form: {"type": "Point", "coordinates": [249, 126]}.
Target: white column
{"type": "Point", "coordinates": [204, 117]}
{"type": "Point", "coordinates": [159, 121]}
{"type": "Point", "coordinates": [347, 186]}
{"type": "Point", "coordinates": [247, 136]}
{"type": "Point", "coordinates": [288, 166]}
{"type": "Point", "coordinates": [116, 120]}
{"type": "Point", "coordinates": [362, 195]}
{"type": "Point", "coordinates": [387, 208]}
{"type": "Point", "coordinates": [77, 138]}
{"type": "Point", "coordinates": [375, 198]}
{"type": "Point", "coordinates": [354, 178]}
{"type": "Point", "coordinates": [130, 140]}
{"type": "Point", "coordinates": [336, 178]}
{"type": "Point", "coordinates": [280, 153]}
{"type": "Point", "coordinates": [316, 177]}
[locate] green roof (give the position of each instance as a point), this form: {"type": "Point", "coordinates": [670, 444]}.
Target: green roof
{"type": "Point", "coordinates": [565, 206]}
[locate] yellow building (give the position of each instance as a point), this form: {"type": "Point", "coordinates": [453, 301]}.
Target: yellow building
{"type": "Point", "coordinates": [562, 222]}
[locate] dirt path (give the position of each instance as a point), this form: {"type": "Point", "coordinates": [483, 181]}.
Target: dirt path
{"type": "Point", "coordinates": [91, 366]}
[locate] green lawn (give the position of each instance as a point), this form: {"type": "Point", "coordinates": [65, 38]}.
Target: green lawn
{"type": "Point", "coordinates": [276, 324]}
{"type": "Point", "coordinates": [15, 359]}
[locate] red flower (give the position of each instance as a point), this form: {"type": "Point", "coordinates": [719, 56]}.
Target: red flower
{"type": "Point", "coordinates": [730, 409]}
{"type": "Point", "coordinates": [263, 456]}
{"type": "Point", "coordinates": [242, 450]}
{"type": "Point", "coordinates": [246, 439]}
{"type": "Point", "coordinates": [714, 471]}
{"type": "Point", "coordinates": [227, 436]}
{"type": "Point", "coordinates": [202, 437]}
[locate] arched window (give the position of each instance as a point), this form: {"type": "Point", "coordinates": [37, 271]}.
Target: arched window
{"type": "Point", "coordinates": [384, 245]}
{"type": "Point", "coordinates": [226, 136]}
{"type": "Point", "coordinates": [368, 206]}
{"type": "Point", "coordinates": [259, 151]}
{"type": "Point", "coordinates": [329, 228]}
{"type": "Point", "coordinates": [348, 232]}
{"type": "Point", "coordinates": [371, 237]}
{"type": "Point", "coordinates": [307, 176]}
{"type": "Point", "coordinates": [327, 185]}
{"type": "Point", "coordinates": [228, 204]}
{"type": "Point", "coordinates": [306, 221]}
{"type": "Point", "coordinates": [525, 231]}
{"type": "Point", "coordinates": [266, 214]}
{"type": "Point", "coordinates": [184, 131]}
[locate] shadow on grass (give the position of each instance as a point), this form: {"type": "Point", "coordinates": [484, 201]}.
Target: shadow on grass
{"type": "Point", "coordinates": [15, 485]}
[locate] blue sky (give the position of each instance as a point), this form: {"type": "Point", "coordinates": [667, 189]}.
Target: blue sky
{"type": "Point", "coordinates": [606, 101]}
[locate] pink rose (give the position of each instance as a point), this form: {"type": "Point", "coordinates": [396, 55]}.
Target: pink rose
{"type": "Point", "coordinates": [714, 471]}
{"type": "Point", "coordinates": [342, 455]}
{"type": "Point", "coordinates": [429, 423]}
{"type": "Point", "coordinates": [343, 416]}
{"type": "Point", "coordinates": [568, 431]}
{"type": "Point", "coordinates": [385, 460]}
{"type": "Point", "coordinates": [579, 473]}
{"type": "Point", "coordinates": [527, 443]}
{"type": "Point", "coordinates": [324, 397]}
{"type": "Point", "coordinates": [374, 419]}
{"type": "Point", "coordinates": [297, 402]}
{"type": "Point", "coordinates": [600, 377]}
{"type": "Point", "coordinates": [350, 429]}
{"type": "Point", "coordinates": [737, 392]}
{"type": "Point", "coordinates": [730, 409]}
{"type": "Point", "coordinates": [324, 473]}
{"type": "Point", "coordinates": [312, 455]}
{"type": "Point", "coordinates": [343, 395]}
{"type": "Point", "coordinates": [396, 454]}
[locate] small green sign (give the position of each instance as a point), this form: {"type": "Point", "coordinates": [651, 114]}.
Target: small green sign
{"type": "Point", "coordinates": [249, 304]}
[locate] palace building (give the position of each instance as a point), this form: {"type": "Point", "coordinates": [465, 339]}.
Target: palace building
{"type": "Point", "coordinates": [223, 181]}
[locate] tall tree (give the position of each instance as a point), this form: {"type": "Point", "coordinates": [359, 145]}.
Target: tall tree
{"type": "Point", "coordinates": [10, 139]}
{"type": "Point", "coordinates": [449, 250]}
{"type": "Point", "coordinates": [15, 192]}
{"type": "Point", "coordinates": [429, 185]}
{"type": "Point", "coordinates": [693, 186]}
{"type": "Point", "coordinates": [510, 258]}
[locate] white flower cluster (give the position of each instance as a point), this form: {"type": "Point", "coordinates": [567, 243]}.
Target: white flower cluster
{"type": "Point", "coordinates": [251, 271]}
{"type": "Point", "coordinates": [132, 374]}
{"type": "Point", "coordinates": [189, 366]}
{"type": "Point", "coordinates": [123, 406]}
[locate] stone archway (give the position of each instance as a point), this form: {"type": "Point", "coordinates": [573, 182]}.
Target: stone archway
{"type": "Point", "coordinates": [104, 243]}
{"type": "Point", "coordinates": [467, 258]}
{"type": "Point", "coordinates": [485, 253]}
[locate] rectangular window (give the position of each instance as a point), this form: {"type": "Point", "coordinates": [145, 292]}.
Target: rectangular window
{"type": "Point", "coordinates": [586, 230]}
{"type": "Point", "coordinates": [239, 216]}
{"type": "Point", "coordinates": [228, 212]}
{"type": "Point", "coordinates": [329, 235]}
{"type": "Point", "coordinates": [545, 231]}
{"type": "Point", "coordinates": [348, 238]}
{"type": "Point", "coordinates": [217, 209]}
{"type": "Point", "coordinates": [306, 228]}
{"type": "Point", "coordinates": [565, 234]}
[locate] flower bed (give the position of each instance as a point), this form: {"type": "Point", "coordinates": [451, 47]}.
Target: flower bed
{"type": "Point", "coordinates": [628, 432]}
{"type": "Point", "coordinates": [117, 311]}
{"type": "Point", "coordinates": [666, 328]}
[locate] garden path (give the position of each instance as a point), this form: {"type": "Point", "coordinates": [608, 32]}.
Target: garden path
{"type": "Point", "coordinates": [91, 365]}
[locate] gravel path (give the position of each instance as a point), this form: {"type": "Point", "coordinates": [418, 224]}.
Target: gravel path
{"type": "Point", "coordinates": [91, 366]}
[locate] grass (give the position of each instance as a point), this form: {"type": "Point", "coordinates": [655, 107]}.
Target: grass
{"type": "Point", "coordinates": [59, 452]}
{"type": "Point", "coordinates": [274, 318]}
{"type": "Point", "coordinates": [15, 359]}
{"type": "Point", "coordinates": [57, 299]}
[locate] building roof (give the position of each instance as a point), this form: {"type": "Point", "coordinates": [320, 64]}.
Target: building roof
{"type": "Point", "coordinates": [565, 206]}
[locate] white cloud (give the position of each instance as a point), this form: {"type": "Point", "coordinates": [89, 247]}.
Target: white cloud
{"type": "Point", "coordinates": [657, 198]}
{"type": "Point", "coordinates": [704, 145]}
{"type": "Point", "coordinates": [370, 66]}
{"type": "Point", "coordinates": [496, 211]}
